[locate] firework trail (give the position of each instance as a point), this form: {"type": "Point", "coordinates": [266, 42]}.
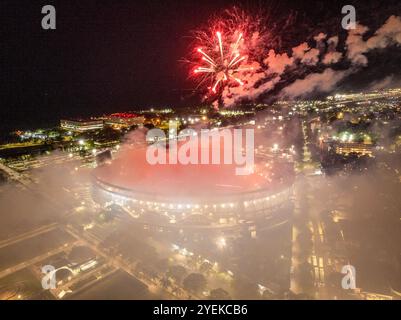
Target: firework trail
{"type": "Point", "coordinates": [224, 51]}
{"type": "Point", "coordinates": [225, 67]}
{"type": "Point", "coordinates": [237, 58]}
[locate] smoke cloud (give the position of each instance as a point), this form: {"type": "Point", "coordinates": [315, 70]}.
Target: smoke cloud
{"type": "Point", "coordinates": [322, 82]}
{"type": "Point", "coordinates": [296, 73]}
{"type": "Point", "coordinates": [385, 83]}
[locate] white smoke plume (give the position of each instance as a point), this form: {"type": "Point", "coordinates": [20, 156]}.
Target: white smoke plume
{"type": "Point", "coordinates": [385, 83]}
{"type": "Point", "coordinates": [322, 82]}
{"type": "Point", "coordinates": [298, 52]}
{"type": "Point", "coordinates": [356, 46]}
{"type": "Point", "coordinates": [332, 56]}
{"type": "Point", "coordinates": [320, 37]}
{"type": "Point", "coordinates": [324, 55]}
{"type": "Point", "coordinates": [311, 58]}
{"type": "Point", "coordinates": [278, 62]}
{"type": "Point", "coordinates": [387, 35]}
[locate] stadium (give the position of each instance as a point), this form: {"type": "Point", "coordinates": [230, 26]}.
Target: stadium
{"type": "Point", "coordinates": [193, 196]}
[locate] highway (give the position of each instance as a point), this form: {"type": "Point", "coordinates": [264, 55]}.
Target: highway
{"type": "Point", "coordinates": [117, 261]}
{"type": "Point", "coordinates": [37, 259]}
{"type": "Point", "coordinates": [91, 242]}
{"type": "Point", "coordinates": [307, 221]}
{"type": "Point", "coordinates": [28, 234]}
{"type": "Point", "coordinates": [82, 276]}
{"type": "Point", "coordinates": [14, 175]}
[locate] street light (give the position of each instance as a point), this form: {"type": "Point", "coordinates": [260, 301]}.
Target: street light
{"type": "Point", "coordinates": [221, 243]}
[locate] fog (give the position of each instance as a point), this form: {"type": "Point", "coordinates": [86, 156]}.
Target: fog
{"type": "Point", "coordinates": [361, 206]}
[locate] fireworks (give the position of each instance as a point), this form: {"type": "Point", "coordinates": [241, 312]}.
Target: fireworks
{"type": "Point", "coordinates": [222, 62]}
{"type": "Point", "coordinates": [228, 55]}
{"type": "Point", "coordinates": [224, 52]}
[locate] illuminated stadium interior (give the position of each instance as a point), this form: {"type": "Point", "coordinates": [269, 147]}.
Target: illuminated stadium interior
{"type": "Point", "coordinates": [193, 195]}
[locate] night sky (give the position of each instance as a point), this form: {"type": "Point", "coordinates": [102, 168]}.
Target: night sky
{"type": "Point", "coordinates": [108, 56]}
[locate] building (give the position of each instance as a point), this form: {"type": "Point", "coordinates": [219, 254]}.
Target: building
{"type": "Point", "coordinates": [81, 125]}
{"type": "Point", "coordinates": [123, 120]}
{"type": "Point", "coordinates": [200, 196]}
{"type": "Point", "coordinates": [354, 147]}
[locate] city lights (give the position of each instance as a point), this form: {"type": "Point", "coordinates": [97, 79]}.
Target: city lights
{"type": "Point", "coordinates": [221, 243]}
{"type": "Point", "coordinates": [256, 156]}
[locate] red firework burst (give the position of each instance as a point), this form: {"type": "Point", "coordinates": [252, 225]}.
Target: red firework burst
{"type": "Point", "coordinates": [223, 64]}
{"type": "Point", "coordinates": [226, 49]}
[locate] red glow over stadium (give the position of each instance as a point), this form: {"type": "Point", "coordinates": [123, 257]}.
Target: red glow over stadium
{"type": "Point", "coordinates": [131, 172]}
{"type": "Point", "coordinates": [125, 115]}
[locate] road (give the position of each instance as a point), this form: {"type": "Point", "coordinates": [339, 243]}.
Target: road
{"type": "Point", "coordinates": [82, 276]}
{"type": "Point", "coordinates": [307, 221]}
{"type": "Point", "coordinates": [37, 259]}
{"type": "Point", "coordinates": [117, 262]}
{"type": "Point", "coordinates": [28, 234]}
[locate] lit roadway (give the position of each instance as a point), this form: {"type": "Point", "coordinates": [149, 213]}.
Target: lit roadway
{"type": "Point", "coordinates": [27, 235]}
{"type": "Point", "coordinates": [91, 242]}
{"type": "Point", "coordinates": [307, 211]}
{"type": "Point", "coordinates": [319, 257]}
{"type": "Point", "coordinates": [81, 276]}
{"type": "Point", "coordinates": [14, 175]}
{"type": "Point", "coordinates": [308, 208]}
{"type": "Point", "coordinates": [27, 183]}
{"type": "Point", "coordinates": [295, 262]}
{"type": "Point", "coordinates": [116, 261]}
{"type": "Point", "coordinates": [37, 259]}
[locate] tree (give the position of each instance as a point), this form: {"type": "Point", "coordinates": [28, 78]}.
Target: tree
{"type": "Point", "coordinates": [177, 272]}
{"type": "Point", "coordinates": [149, 126]}
{"type": "Point", "coordinates": [108, 134]}
{"type": "Point", "coordinates": [163, 263]}
{"type": "Point", "coordinates": [244, 289]}
{"type": "Point", "coordinates": [306, 277]}
{"type": "Point", "coordinates": [195, 282]}
{"type": "Point", "coordinates": [268, 295]}
{"type": "Point", "coordinates": [205, 267]}
{"type": "Point", "coordinates": [219, 294]}
{"type": "Point", "coordinates": [165, 282]}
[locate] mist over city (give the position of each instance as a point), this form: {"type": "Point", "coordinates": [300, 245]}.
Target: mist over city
{"type": "Point", "coordinates": [243, 151]}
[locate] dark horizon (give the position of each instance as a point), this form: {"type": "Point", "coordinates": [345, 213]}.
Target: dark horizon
{"type": "Point", "coordinates": [107, 57]}
{"type": "Point", "coordinates": [102, 58]}
{"type": "Point", "coordinates": [274, 175]}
